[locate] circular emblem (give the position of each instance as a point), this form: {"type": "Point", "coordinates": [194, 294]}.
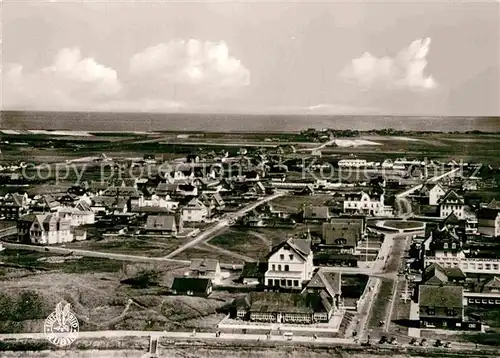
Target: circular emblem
{"type": "Point", "coordinates": [61, 326]}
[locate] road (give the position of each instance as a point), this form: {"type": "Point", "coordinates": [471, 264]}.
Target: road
{"type": "Point", "coordinates": [210, 232]}
{"type": "Point", "coordinates": [186, 335]}
{"type": "Point", "coordinates": [88, 253]}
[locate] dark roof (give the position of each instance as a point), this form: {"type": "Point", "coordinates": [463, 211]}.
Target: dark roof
{"type": "Point", "coordinates": [300, 246]}
{"type": "Point", "coordinates": [451, 195]}
{"type": "Point", "coordinates": [161, 222]}
{"type": "Point", "coordinates": [316, 212]}
{"type": "Point", "coordinates": [488, 213]}
{"type": "Point", "coordinates": [198, 285]}
{"type": "Point", "coordinates": [285, 302]}
{"type": "Point", "coordinates": [254, 270]}
{"type": "Point", "coordinates": [494, 283]}
{"type": "Point", "coordinates": [440, 296]}
{"type": "Point", "coordinates": [122, 191]}
{"type": "Point", "coordinates": [329, 281]}
{"type": "Point", "coordinates": [335, 233]}
{"type": "Point", "coordinates": [435, 274]}
{"type": "Point", "coordinates": [206, 265]}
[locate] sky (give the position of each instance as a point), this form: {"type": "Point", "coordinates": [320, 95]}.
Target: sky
{"type": "Point", "coordinates": [325, 57]}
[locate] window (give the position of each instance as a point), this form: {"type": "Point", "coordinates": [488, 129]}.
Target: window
{"type": "Point", "coordinates": [472, 325]}
{"type": "Point", "coordinates": [451, 312]}
{"type": "Point", "coordinates": [289, 282]}
{"type": "Point", "coordinates": [283, 283]}
{"type": "Point", "coordinates": [282, 257]}
{"type": "Point", "coordinates": [453, 246]}
{"type": "Point", "coordinates": [274, 267]}
{"type": "Point", "coordinates": [445, 245]}
{"type": "Point", "coordinates": [431, 311]}
{"type": "Point", "coordinates": [270, 282]}
{"type": "Point", "coordinates": [291, 257]}
{"type": "Point", "coordinates": [296, 283]}
{"type": "Point", "coordinates": [276, 282]}
{"type": "Point", "coordinates": [279, 267]}
{"type": "Point", "coordinates": [471, 300]}
{"type": "Point", "coordinates": [287, 268]}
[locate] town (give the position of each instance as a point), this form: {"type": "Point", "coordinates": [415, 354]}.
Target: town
{"type": "Point", "coordinates": [312, 237]}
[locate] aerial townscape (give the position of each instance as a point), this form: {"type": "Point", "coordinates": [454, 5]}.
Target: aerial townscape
{"type": "Point", "coordinates": [314, 238]}
{"type": "Point", "coordinates": [249, 179]}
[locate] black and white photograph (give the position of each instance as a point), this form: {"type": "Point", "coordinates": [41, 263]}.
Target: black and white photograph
{"type": "Point", "coordinates": [249, 178]}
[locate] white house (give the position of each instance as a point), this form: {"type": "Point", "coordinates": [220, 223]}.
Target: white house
{"type": "Point", "coordinates": [451, 202]}
{"type": "Point", "coordinates": [206, 268]}
{"type": "Point", "coordinates": [156, 202]}
{"type": "Point", "coordinates": [194, 211]}
{"type": "Point", "coordinates": [44, 229]}
{"type": "Point", "coordinates": [77, 217]}
{"type": "Point", "coordinates": [362, 203]}
{"type": "Point", "coordinates": [290, 264]}
{"type": "Point", "coordinates": [435, 194]}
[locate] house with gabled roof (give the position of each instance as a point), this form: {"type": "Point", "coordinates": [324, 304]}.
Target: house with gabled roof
{"type": "Point", "coordinates": [433, 192]}
{"type": "Point", "coordinates": [341, 236]}
{"type": "Point", "coordinates": [441, 306]}
{"type": "Point", "coordinates": [330, 282]}
{"type": "Point", "coordinates": [451, 202]}
{"type": "Point", "coordinates": [13, 206]}
{"type": "Point", "coordinates": [164, 224]}
{"type": "Point", "coordinates": [44, 229]}
{"type": "Point", "coordinates": [194, 211]}
{"type": "Point", "coordinates": [435, 274]}
{"type": "Point", "coordinates": [488, 220]}
{"type": "Point", "coordinates": [192, 286]}
{"type": "Point", "coordinates": [290, 264]}
{"type": "Point", "coordinates": [206, 268]}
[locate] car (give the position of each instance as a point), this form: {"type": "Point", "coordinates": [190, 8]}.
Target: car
{"type": "Point", "coordinates": [448, 344]}
{"type": "Point", "coordinates": [393, 340]}
{"type": "Point", "coordinates": [438, 343]}
{"type": "Point", "coordinates": [423, 342]}
{"type": "Point", "coordinates": [383, 340]}
{"type": "Point", "coordinates": [413, 342]}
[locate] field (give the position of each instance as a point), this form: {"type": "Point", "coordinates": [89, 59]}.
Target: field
{"type": "Point", "coordinates": [135, 245]}
{"type": "Point", "coordinates": [104, 294]}
{"type": "Point", "coordinates": [242, 242]}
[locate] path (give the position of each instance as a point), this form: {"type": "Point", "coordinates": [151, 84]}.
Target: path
{"type": "Point", "coordinates": [226, 252]}
{"type": "Point", "coordinates": [89, 253]}
{"type": "Point", "coordinates": [223, 223]}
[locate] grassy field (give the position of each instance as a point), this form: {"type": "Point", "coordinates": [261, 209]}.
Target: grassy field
{"type": "Point", "coordinates": [152, 247]}
{"type": "Point", "coordinates": [294, 203]}
{"type": "Point", "coordinates": [242, 242]}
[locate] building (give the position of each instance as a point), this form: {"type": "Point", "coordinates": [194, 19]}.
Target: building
{"type": "Point", "coordinates": [315, 213]}
{"type": "Point", "coordinates": [44, 229]}
{"type": "Point", "coordinates": [362, 203]}
{"type": "Point", "coordinates": [290, 264]}
{"type": "Point", "coordinates": [279, 307]}
{"type": "Point", "coordinates": [488, 221]}
{"type": "Point", "coordinates": [77, 217]}
{"type": "Point", "coordinates": [192, 286]}
{"type": "Point", "coordinates": [13, 206]}
{"type": "Point", "coordinates": [206, 268]}
{"type": "Point", "coordinates": [330, 282]}
{"type": "Point", "coordinates": [435, 274]}
{"type": "Point", "coordinates": [343, 236]}
{"type": "Point", "coordinates": [155, 201]}
{"type": "Point", "coordinates": [352, 163]}
{"type": "Point", "coordinates": [433, 193]}
{"type": "Point", "coordinates": [451, 202]}
{"type": "Point", "coordinates": [194, 211]}
{"type": "Point", "coordinates": [164, 224]}
{"type": "Point", "coordinates": [441, 306]}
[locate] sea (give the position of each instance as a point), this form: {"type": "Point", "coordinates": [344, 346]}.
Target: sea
{"type": "Point", "coordinates": [152, 122]}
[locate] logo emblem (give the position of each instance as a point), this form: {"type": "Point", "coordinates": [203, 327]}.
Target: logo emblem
{"type": "Point", "coordinates": [61, 326]}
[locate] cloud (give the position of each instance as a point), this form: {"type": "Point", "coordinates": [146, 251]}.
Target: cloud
{"type": "Point", "coordinates": [405, 70]}
{"type": "Point", "coordinates": [70, 82]}
{"type": "Point", "coordinates": [202, 66]}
